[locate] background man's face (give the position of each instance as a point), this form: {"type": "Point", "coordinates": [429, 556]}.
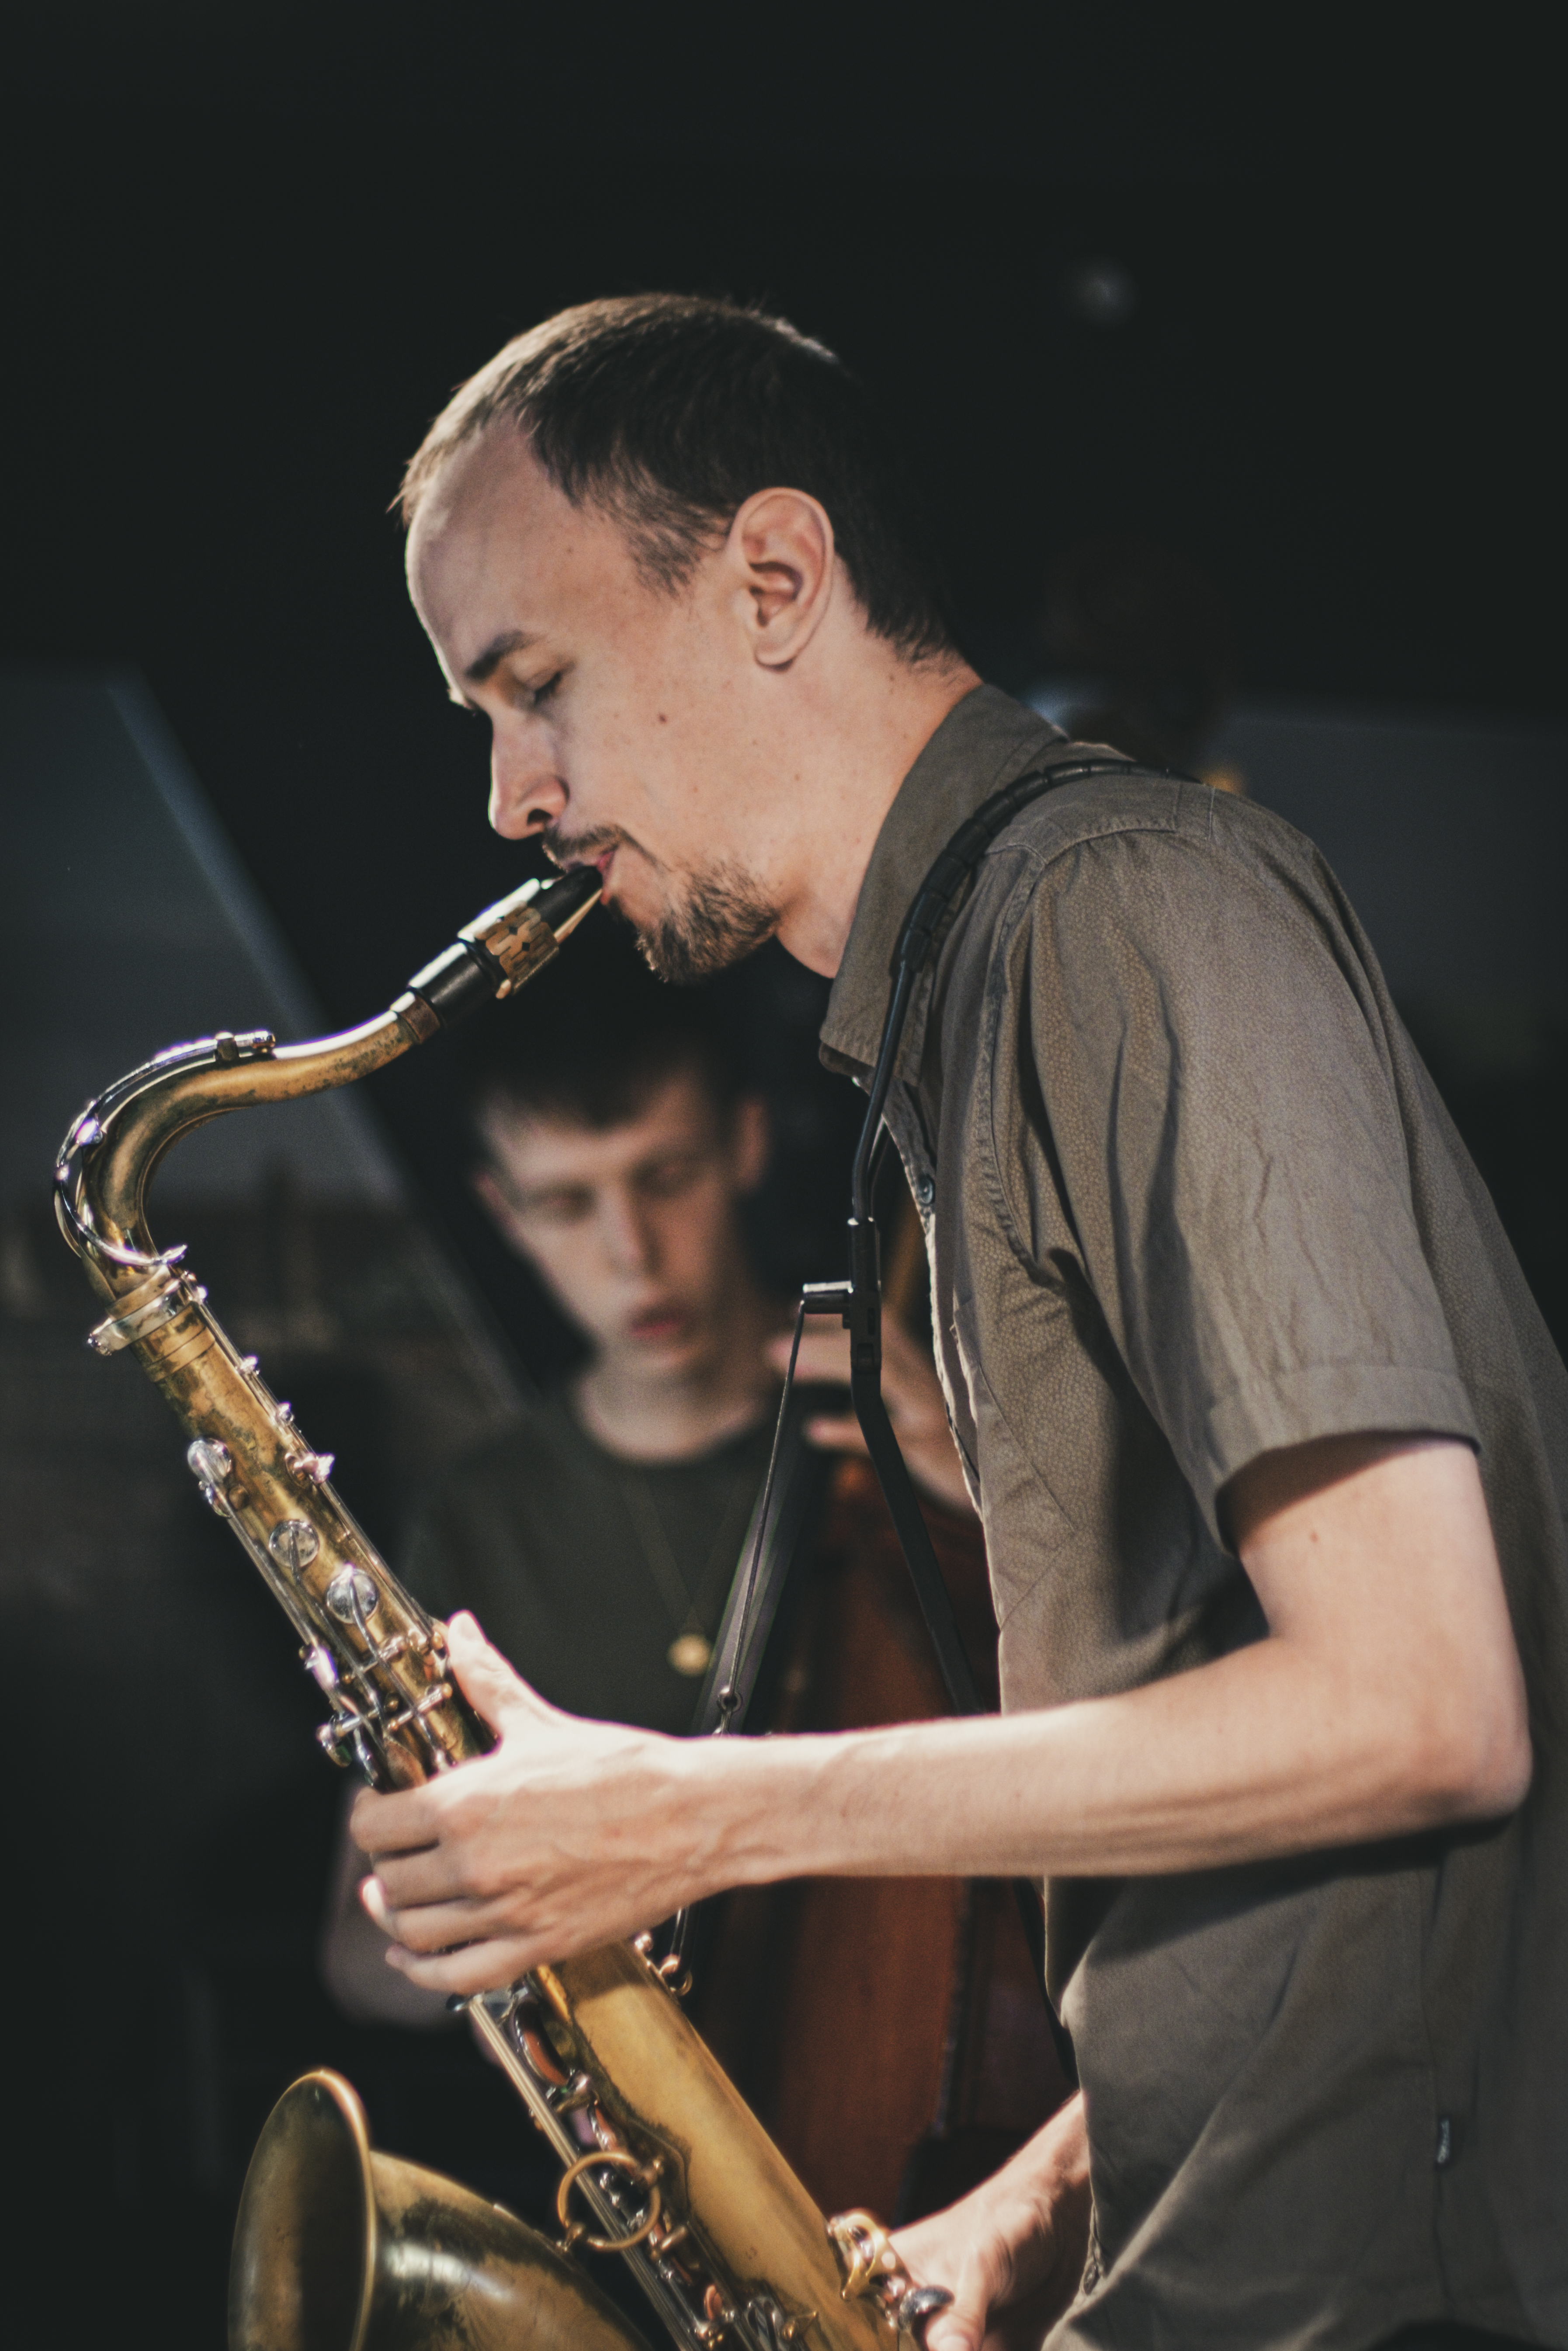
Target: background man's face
{"type": "Point", "coordinates": [632, 1229]}
{"type": "Point", "coordinates": [630, 725]}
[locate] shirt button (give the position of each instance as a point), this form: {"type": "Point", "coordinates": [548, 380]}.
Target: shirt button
{"type": "Point", "coordinates": [924, 1187]}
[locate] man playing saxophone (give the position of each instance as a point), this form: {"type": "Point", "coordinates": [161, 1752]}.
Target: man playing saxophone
{"type": "Point", "coordinates": [1270, 1445]}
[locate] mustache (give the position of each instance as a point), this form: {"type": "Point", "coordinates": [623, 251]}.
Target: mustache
{"type": "Point", "coordinates": [565, 849]}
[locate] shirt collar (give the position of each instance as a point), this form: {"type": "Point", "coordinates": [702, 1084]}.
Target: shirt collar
{"type": "Point", "coordinates": [984, 742]}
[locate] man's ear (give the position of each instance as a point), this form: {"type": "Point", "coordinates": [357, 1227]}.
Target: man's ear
{"type": "Point", "coordinates": [751, 1143]}
{"type": "Point", "coordinates": [781, 555]}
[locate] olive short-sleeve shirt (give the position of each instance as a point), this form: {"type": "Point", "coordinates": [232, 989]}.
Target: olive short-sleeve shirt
{"type": "Point", "coordinates": [1189, 1196]}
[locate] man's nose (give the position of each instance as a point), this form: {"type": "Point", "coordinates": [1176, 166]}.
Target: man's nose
{"type": "Point", "coordinates": [629, 1234]}
{"type": "Point", "coordinates": [525, 793]}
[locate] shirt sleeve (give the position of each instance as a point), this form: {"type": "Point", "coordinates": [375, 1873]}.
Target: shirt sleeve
{"type": "Point", "coordinates": [1221, 1122]}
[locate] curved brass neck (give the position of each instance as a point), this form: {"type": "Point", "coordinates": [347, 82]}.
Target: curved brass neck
{"type": "Point", "coordinates": [110, 1154]}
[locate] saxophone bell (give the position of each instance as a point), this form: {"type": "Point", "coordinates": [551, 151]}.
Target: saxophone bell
{"type": "Point", "coordinates": [340, 2248]}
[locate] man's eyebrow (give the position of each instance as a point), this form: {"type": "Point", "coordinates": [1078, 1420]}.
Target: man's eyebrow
{"type": "Point", "coordinates": [511, 641]}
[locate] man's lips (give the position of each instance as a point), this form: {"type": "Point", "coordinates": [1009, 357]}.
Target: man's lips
{"type": "Point", "coordinates": [659, 1323]}
{"type": "Point", "coordinates": [600, 863]}
{"type": "Point", "coordinates": [576, 856]}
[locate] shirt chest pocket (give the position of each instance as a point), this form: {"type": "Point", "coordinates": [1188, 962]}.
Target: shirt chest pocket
{"type": "Point", "coordinates": [1024, 1522]}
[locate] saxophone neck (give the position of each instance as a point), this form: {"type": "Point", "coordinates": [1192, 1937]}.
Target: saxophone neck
{"type": "Point", "coordinates": [110, 1153]}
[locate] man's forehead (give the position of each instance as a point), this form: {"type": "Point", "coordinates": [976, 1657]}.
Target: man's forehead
{"type": "Point", "coordinates": [492, 479]}
{"type": "Point", "coordinates": [541, 1146]}
{"type": "Point", "coordinates": [493, 551]}
{"type": "Point", "coordinates": [479, 537]}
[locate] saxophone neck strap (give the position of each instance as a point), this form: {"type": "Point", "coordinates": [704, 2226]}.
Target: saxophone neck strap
{"type": "Point", "coordinates": [858, 1300]}
{"type": "Point", "coordinates": [926, 922]}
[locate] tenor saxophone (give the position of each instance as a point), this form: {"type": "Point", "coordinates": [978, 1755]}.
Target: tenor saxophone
{"type": "Point", "coordinates": [668, 2166]}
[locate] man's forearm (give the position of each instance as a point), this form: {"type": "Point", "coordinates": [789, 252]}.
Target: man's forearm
{"type": "Point", "coordinates": [1388, 1698]}
{"type": "Point", "coordinates": [1253, 1755]}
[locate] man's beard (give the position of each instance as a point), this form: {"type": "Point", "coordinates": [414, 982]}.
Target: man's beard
{"type": "Point", "coordinates": [713, 918]}
{"type": "Point", "coordinates": [718, 919]}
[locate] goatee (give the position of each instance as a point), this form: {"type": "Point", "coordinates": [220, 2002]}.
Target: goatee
{"type": "Point", "coordinates": [722, 918]}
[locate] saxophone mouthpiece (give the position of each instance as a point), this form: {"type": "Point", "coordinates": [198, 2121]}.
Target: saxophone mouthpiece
{"type": "Point", "coordinates": [562, 904]}
{"type": "Point", "coordinates": [498, 950]}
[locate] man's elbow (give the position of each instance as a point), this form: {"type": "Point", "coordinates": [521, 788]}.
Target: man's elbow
{"type": "Point", "coordinates": [1472, 1758]}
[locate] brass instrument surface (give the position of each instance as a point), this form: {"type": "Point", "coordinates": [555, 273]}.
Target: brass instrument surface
{"type": "Point", "coordinates": [758, 2226]}
{"type": "Point", "coordinates": [655, 2141]}
{"type": "Point", "coordinates": [338, 2247]}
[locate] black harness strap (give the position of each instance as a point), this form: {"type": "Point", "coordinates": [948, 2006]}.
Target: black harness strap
{"type": "Point", "coordinates": [860, 1299]}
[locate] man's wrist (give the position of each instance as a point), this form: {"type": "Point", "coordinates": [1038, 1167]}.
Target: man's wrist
{"type": "Point", "coordinates": [1056, 2159]}
{"type": "Point", "coordinates": [747, 1808]}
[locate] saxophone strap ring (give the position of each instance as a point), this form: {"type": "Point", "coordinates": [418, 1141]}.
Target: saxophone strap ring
{"type": "Point", "coordinates": [647, 2174]}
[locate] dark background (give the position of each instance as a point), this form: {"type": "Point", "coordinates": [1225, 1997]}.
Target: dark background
{"type": "Point", "coordinates": [248, 252]}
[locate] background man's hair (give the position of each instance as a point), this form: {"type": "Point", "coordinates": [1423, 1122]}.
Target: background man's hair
{"type": "Point", "coordinates": [593, 1039]}
{"type": "Point", "coordinates": [669, 411]}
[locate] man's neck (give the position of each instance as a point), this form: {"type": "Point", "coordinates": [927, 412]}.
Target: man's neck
{"type": "Point", "coordinates": [677, 1417]}
{"type": "Point", "coordinates": [878, 725]}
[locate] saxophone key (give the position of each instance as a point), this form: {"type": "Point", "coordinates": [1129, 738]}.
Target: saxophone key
{"type": "Point", "coordinates": [209, 1460]}
{"type": "Point", "coordinates": [294, 1543]}
{"type": "Point", "coordinates": [352, 1596]}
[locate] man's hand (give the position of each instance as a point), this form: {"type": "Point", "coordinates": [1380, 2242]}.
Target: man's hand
{"type": "Point", "coordinates": [568, 1834]}
{"type": "Point", "coordinates": [1011, 2252]}
{"type": "Point", "coordinates": [911, 1391]}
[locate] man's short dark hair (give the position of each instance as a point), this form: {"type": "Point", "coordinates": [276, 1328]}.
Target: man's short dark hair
{"type": "Point", "coordinates": [669, 411]}
{"type": "Point", "coordinates": [593, 1039]}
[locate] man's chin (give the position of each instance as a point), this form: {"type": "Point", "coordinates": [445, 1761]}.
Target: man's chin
{"type": "Point", "coordinates": [712, 932]}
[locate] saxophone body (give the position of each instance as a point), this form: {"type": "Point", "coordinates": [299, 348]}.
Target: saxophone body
{"type": "Point", "coordinates": [667, 2166]}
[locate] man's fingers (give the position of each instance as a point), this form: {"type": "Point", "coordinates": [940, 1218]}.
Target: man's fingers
{"type": "Point", "coordinates": [437, 1874]}
{"type": "Point", "coordinates": [962, 2326]}
{"type": "Point", "coordinates": [475, 1968]}
{"type": "Point", "coordinates": [954, 2330]}
{"type": "Point", "coordinates": [423, 1928]}
{"type": "Point", "coordinates": [442, 1926]}
{"type": "Point", "coordinates": [488, 1681]}
{"type": "Point", "coordinates": [405, 1823]}
{"type": "Point", "coordinates": [427, 1927]}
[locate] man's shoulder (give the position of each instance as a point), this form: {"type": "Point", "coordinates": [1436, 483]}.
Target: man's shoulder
{"type": "Point", "coordinates": [1125, 799]}
{"type": "Point", "coordinates": [1118, 884]}
{"type": "Point", "coordinates": [1138, 833]}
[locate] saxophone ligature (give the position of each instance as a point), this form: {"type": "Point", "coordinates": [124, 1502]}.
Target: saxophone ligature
{"type": "Point", "coordinates": [663, 2162]}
